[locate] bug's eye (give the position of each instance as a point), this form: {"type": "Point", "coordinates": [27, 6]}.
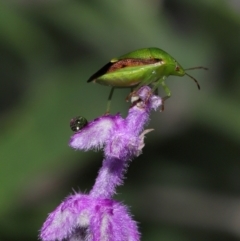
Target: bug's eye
{"type": "Point", "coordinates": [177, 68]}
{"type": "Point", "coordinates": [77, 123]}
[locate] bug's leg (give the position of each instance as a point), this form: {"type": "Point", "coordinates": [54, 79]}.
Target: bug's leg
{"type": "Point", "coordinates": [109, 101]}
{"type": "Point", "coordinates": [167, 91]}
{"type": "Point", "coordinates": [165, 88]}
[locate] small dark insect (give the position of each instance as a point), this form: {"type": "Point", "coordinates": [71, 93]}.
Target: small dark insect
{"type": "Point", "coordinates": [77, 123]}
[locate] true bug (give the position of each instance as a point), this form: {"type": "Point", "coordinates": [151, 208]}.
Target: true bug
{"type": "Point", "coordinates": [148, 66]}
{"type": "Point", "coordinates": [77, 123]}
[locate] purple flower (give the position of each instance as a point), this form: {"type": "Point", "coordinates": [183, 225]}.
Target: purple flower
{"type": "Point", "coordinates": [96, 217]}
{"type": "Point", "coordinates": [81, 217]}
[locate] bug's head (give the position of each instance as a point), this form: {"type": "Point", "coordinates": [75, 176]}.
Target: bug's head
{"type": "Point", "coordinates": [177, 69]}
{"type": "Point", "coordinates": [172, 66]}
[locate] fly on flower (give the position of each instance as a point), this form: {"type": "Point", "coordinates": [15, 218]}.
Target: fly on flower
{"type": "Point", "coordinates": [78, 123]}
{"type": "Point", "coordinates": [148, 66]}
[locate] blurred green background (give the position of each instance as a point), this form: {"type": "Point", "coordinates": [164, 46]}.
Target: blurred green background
{"type": "Point", "coordinates": [186, 184]}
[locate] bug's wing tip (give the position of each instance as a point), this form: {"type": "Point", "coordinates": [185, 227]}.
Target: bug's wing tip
{"type": "Point", "coordinates": [100, 72]}
{"type": "Point", "coordinates": [90, 80]}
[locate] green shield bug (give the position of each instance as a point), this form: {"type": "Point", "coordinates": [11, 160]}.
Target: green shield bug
{"type": "Point", "coordinates": [148, 66]}
{"type": "Point", "coordinates": [77, 123]}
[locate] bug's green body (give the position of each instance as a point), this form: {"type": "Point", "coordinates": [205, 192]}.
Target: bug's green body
{"type": "Point", "coordinates": [146, 74]}
{"type": "Point", "coordinates": [148, 66]}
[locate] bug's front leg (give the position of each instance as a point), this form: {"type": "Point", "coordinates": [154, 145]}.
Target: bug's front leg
{"type": "Point", "coordinates": [167, 91]}
{"type": "Point", "coordinates": [109, 101]}
{"type": "Point", "coordinates": [165, 88]}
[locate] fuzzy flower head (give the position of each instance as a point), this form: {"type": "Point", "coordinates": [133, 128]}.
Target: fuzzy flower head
{"type": "Point", "coordinates": [120, 138]}
{"type": "Point", "coordinates": [81, 217]}
{"type": "Point", "coordinates": [96, 216]}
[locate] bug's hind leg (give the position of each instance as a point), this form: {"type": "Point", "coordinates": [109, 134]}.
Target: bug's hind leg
{"type": "Point", "coordinates": [109, 101]}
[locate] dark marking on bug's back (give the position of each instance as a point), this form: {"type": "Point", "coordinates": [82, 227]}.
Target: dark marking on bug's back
{"type": "Point", "coordinates": [120, 64]}
{"type": "Point", "coordinates": [123, 63]}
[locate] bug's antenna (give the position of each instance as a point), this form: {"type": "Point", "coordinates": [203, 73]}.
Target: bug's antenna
{"type": "Point", "coordinates": [198, 67]}
{"type": "Point", "coordinates": [194, 80]}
